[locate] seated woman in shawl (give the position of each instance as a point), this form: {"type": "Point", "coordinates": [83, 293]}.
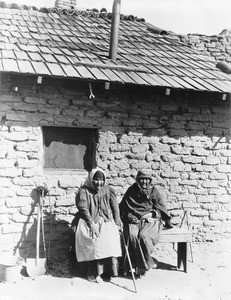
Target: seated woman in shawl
{"type": "Point", "coordinates": [143, 214]}
{"type": "Point", "coordinates": [97, 238]}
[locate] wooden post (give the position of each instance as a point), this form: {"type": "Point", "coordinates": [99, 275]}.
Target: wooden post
{"type": "Point", "coordinates": [0, 82]}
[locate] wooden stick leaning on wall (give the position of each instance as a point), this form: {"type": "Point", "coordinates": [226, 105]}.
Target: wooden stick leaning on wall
{"type": "Point", "coordinates": [187, 222]}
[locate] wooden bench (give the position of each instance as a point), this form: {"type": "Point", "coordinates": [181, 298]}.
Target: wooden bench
{"type": "Point", "coordinates": [181, 236]}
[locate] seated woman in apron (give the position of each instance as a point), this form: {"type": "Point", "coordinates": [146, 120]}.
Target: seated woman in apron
{"type": "Point", "coordinates": [97, 238]}
{"type": "Point", "coordinates": [143, 214]}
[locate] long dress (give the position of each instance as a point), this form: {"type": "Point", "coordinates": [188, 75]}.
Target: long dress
{"type": "Point", "coordinates": [102, 208]}
{"type": "Point", "coordinates": [142, 213]}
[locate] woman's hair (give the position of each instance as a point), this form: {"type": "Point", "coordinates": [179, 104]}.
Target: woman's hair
{"type": "Point", "coordinates": [99, 174]}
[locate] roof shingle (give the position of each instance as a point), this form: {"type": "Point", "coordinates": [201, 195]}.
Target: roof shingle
{"type": "Point", "coordinates": [58, 42]}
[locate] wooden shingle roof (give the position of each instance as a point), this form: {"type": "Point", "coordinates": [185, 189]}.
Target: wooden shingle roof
{"type": "Point", "coordinates": [75, 44]}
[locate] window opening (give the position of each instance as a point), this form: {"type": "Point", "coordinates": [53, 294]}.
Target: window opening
{"type": "Point", "coordinates": [69, 148]}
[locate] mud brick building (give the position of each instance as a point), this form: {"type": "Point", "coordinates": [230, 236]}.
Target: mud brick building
{"type": "Point", "coordinates": [74, 97]}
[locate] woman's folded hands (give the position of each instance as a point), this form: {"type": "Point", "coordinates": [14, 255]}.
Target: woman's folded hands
{"type": "Point", "coordinates": [94, 230]}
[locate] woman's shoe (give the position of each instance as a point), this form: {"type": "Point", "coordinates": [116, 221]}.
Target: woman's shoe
{"type": "Point", "coordinates": [155, 263]}
{"type": "Point", "coordinates": [139, 272]}
{"type": "Point", "coordinates": [106, 277]}
{"type": "Point", "coordinates": [98, 279]}
{"type": "Point", "coordinates": [91, 278]}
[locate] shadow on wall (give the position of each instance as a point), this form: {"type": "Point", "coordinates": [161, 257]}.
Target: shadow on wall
{"type": "Point", "coordinates": [54, 242]}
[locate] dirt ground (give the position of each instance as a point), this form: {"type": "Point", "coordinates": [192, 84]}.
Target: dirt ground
{"type": "Point", "coordinates": [208, 277]}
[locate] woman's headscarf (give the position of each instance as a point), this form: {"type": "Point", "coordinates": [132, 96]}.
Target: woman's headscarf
{"type": "Point", "coordinates": [91, 174]}
{"type": "Point", "coordinates": [143, 174]}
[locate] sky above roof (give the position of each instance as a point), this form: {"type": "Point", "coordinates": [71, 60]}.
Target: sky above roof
{"type": "Point", "coordinates": [208, 17]}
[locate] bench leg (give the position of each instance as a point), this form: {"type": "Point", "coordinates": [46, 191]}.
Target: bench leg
{"type": "Point", "coordinates": [182, 256]}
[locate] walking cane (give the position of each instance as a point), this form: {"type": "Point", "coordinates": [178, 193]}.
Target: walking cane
{"type": "Point", "coordinates": [129, 260]}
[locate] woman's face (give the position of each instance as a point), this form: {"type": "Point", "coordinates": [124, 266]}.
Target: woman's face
{"type": "Point", "coordinates": [144, 183]}
{"type": "Point", "coordinates": [98, 181]}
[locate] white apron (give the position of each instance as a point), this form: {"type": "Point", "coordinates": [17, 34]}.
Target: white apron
{"type": "Point", "coordinates": [107, 244]}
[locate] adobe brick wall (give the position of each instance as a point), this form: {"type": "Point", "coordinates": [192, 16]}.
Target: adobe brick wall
{"type": "Point", "coordinates": [217, 46]}
{"type": "Point", "coordinates": [184, 139]}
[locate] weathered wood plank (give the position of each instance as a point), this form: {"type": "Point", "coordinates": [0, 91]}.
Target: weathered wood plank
{"type": "Point", "coordinates": [175, 235]}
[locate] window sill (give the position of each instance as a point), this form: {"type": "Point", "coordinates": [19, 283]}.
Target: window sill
{"type": "Point", "coordinates": [65, 172]}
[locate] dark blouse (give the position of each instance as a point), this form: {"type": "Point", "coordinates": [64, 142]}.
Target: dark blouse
{"type": "Point", "coordinates": [136, 203]}
{"type": "Point", "coordinates": [91, 204]}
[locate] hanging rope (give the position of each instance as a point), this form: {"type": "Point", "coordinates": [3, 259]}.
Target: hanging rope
{"type": "Point", "coordinates": [91, 93]}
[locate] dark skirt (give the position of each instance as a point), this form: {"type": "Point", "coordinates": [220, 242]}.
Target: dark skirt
{"type": "Point", "coordinates": [108, 266]}
{"type": "Point", "coordinates": [141, 239]}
